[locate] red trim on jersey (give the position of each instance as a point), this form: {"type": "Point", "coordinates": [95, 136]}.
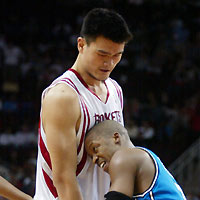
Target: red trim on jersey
{"type": "Point", "coordinates": [88, 117]}
{"type": "Point", "coordinates": [44, 151]}
{"type": "Point", "coordinates": [84, 107]}
{"type": "Point", "coordinates": [108, 93]}
{"type": "Point", "coordinates": [82, 163]}
{"type": "Point", "coordinates": [83, 130]}
{"type": "Point", "coordinates": [39, 130]}
{"type": "Point", "coordinates": [46, 156]}
{"type": "Point", "coordinates": [84, 157]}
{"type": "Point", "coordinates": [86, 85]}
{"type": "Point", "coordinates": [50, 185]}
{"type": "Point", "coordinates": [79, 77]}
{"type": "Point", "coordinates": [119, 92]}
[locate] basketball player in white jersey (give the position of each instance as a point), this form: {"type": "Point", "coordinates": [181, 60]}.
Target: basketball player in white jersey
{"type": "Point", "coordinates": [82, 97]}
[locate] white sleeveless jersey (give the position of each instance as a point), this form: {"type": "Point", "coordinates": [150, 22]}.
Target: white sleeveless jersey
{"type": "Point", "coordinates": [93, 181]}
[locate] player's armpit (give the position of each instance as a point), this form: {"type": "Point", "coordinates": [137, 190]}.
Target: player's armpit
{"type": "Point", "coordinates": [113, 195]}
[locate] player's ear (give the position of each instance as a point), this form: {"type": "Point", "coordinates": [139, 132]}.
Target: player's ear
{"type": "Point", "coordinates": [116, 138]}
{"type": "Point", "coordinates": [80, 43]}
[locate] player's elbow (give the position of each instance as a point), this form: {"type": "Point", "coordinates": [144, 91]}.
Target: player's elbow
{"type": "Point", "coordinates": [58, 179]}
{"type": "Point", "coordinates": [61, 179]}
{"type": "Point", "coordinates": [67, 187]}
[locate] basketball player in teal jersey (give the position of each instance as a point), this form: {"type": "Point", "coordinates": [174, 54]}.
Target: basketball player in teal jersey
{"type": "Point", "coordinates": [135, 172]}
{"type": "Point", "coordinates": [10, 192]}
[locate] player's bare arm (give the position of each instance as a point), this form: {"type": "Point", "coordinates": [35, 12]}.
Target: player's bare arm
{"type": "Point", "coordinates": [135, 162]}
{"type": "Point", "coordinates": [120, 169]}
{"type": "Point", "coordinates": [11, 192]}
{"type": "Point", "coordinates": [61, 112]}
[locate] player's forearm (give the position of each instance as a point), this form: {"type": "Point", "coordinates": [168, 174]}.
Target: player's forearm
{"type": "Point", "coordinates": [16, 195]}
{"type": "Point", "coordinates": [11, 192]}
{"type": "Point", "coordinates": [68, 190]}
{"type": "Point", "coordinates": [69, 193]}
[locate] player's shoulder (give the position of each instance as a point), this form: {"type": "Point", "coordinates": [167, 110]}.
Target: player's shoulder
{"type": "Point", "coordinates": [112, 81]}
{"type": "Point", "coordinates": [121, 163]}
{"type": "Point", "coordinates": [61, 90]}
{"type": "Point", "coordinates": [131, 156]}
{"type": "Point", "coordinates": [121, 157]}
{"type": "Point", "coordinates": [60, 94]}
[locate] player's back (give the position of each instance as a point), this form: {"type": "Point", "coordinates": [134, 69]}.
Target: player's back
{"type": "Point", "coordinates": [164, 186]}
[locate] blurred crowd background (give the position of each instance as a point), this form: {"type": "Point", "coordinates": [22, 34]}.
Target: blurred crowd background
{"type": "Point", "coordinates": [159, 74]}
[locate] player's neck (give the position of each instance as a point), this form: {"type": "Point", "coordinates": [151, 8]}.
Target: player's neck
{"type": "Point", "coordinates": [129, 144]}
{"type": "Point", "coordinates": [88, 79]}
{"type": "Point", "coordinates": [98, 88]}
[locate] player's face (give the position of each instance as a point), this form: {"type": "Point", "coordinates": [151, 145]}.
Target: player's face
{"type": "Point", "coordinates": [101, 151]}
{"type": "Point", "coordinates": [100, 57]}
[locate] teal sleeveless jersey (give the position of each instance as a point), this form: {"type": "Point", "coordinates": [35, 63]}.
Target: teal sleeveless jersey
{"type": "Point", "coordinates": [164, 186]}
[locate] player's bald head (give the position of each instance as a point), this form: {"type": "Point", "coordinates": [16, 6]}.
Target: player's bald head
{"type": "Point", "coordinates": [106, 129]}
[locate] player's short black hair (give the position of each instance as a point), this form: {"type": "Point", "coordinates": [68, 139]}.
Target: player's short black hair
{"type": "Point", "coordinates": [106, 23]}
